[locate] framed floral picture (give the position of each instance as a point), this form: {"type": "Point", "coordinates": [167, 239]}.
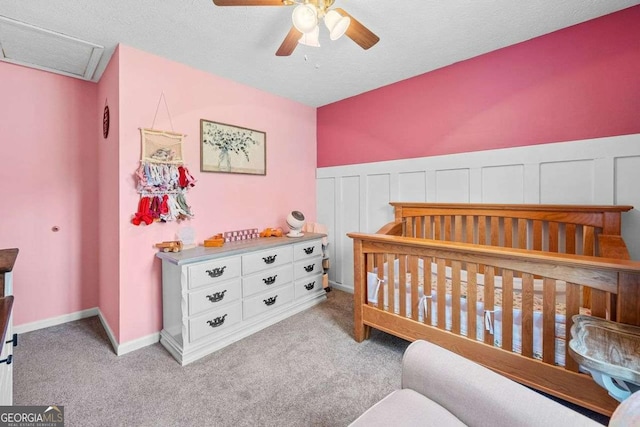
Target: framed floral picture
{"type": "Point", "coordinates": [232, 149]}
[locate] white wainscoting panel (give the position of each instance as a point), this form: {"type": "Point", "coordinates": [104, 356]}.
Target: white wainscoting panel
{"type": "Point", "coordinates": [595, 171]}
{"type": "Point", "coordinates": [503, 184]}
{"type": "Point", "coordinates": [377, 201]}
{"type": "Point", "coordinates": [412, 186]}
{"type": "Point", "coordinates": [348, 218]}
{"type": "Point", "coordinates": [453, 185]}
{"type": "Point", "coordinates": [567, 182]}
{"type": "Point", "coordinates": [627, 192]}
{"type": "Point", "coordinates": [326, 191]}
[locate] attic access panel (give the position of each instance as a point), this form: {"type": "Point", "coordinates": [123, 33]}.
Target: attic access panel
{"type": "Point", "coordinates": [35, 47]}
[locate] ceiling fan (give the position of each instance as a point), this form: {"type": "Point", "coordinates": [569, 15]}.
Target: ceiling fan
{"type": "Point", "coordinates": [306, 16]}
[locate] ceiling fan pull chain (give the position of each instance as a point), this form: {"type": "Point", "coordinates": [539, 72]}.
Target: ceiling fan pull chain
{"type": "Point", "coordinates": [162, 97]}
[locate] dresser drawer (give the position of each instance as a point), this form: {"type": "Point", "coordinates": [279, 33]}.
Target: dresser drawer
{"type": "Point", "coordinates": [214, 271]}
{"type": "Point", "coordinates": [267, 279]}
{"type": "Point", "coordinates": [267, 301]}
{"type": "Point", "coordinates": [307, 250]}
{"type": "Point", "coordinates": [214, 296]}
{"type": "Point", "coordinates": [308, 286]}
{"type": "Point", "coordinates": [307, 267]}
{"type": "Point", "coordinates": [257, 261]}
{"type": "Point", "coordinates": [215, 321]}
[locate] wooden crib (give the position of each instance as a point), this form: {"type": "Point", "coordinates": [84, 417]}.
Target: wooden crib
{"type": "Point", "coordinates": [552, 261]}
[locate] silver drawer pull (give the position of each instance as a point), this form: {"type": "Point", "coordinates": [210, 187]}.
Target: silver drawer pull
{"type": "Point", "coordinates": [218, 321]}
{"type": "Point", "coordinates": [216, 272]}
{"type": "Point", "coordinates": [309, 251]}
{"type": "Point", "coordinates": [270, 280]}
{"type": "Point", "coordinates": [309, 268]}
{"type": "Point", "coordinates": [310, 286]}
{"type": "Point", "coordinates": [217, 296]}
{"type": "Point", "coordinates": [270, 301]}
{"type": "Point", "coordinates": [269, 259]}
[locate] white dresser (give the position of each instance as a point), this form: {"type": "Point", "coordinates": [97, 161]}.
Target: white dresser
{"type": "Point", "coordinates": [212, 297]}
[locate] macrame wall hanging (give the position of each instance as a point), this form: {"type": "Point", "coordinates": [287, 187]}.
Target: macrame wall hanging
{"type": "Point", "coordinates": [162, 178]}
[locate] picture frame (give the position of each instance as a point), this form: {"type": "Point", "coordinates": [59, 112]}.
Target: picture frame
{"type": "Point", "coordinates": [227, 148]}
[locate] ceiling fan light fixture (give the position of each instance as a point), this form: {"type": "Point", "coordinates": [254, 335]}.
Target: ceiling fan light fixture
{"type": "Point", "coordinates": [305, 18]}
{"type": "Point", "coordinates": [336, 24]}
{"type": "Point", "coordinates": [312, 38]}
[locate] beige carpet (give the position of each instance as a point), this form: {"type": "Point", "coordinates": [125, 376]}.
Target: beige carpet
{"type": "Point", "coordinates": [304, 371]}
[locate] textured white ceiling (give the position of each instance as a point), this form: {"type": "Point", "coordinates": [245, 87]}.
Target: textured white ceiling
{"type": "Point", "coordinates": [416, 36]}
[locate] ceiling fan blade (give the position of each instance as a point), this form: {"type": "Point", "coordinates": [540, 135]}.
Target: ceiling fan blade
{"type": "Point", "coordinates": [289, 43]}
{"type": "Point", "coordinates": [358, 32]}
{"type": "Point", "coordinates": [252, 2]}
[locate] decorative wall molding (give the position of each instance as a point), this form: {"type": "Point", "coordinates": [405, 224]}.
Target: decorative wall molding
{"type": "Point", "coordinates": [595, 171]}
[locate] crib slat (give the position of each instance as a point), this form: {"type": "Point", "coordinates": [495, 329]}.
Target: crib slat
{"type": "Point", "coordinates": [507, 310]}
{"type": "Point", "coordinates": [447, 228]}
{"type": "Point", "coordinates": [455, 297]}
{"type": "Point", "coordinates": [369, 266]}
{"type": "Point", "coordinates": [418, 226]}
{"type": "Point", "coordinates": [489, 300]}
{"type": "Point", "coordinates": [587, 249]}
{"type": "Point", "coordinates": [379, 260]}
{"type": "Point", "coordinates": [457, 222]}
{"type": "Point", "coordinates": [413, 269]}
{"type": "Point", "coordinates": [598, 303]}
{"type": "Point", "coordinates": [522, 233]}
{"type": "Point", "coordinates": [437, 227]}
{"type": "Point", "coordinates": [391, 274]}
{"type": "Point", "coordinates": [495, 231]}
{"type": "Point", "coordinates": [428, 229]}
{"type": "Point", "coordinates": [572, 308]}
{"type": "Point", "coordinates": [537, 235]}
{"type": "Point", "coordinates": [548, 320]}
{"type": "Point", "coordinates": [527, 315]}
{"type": "Point", "coordinates": [402, 286]}
{"type": "Point", "coordinates": [472, 299]}
{"type": "Point", "coordinates": [553, 237]}
{"type": "Point", "coordinates": [423, 280]}
{"type": "Point", "coordinates": [409, 232]}
{"type": "Point", "coordinates": [428, 283]}
{"type": "Point", "coordinates": [588, 241]}
{"type": "Point", "coordinates": [508, 233]}
{"type": "Point", "coordinates": [570, 238]}
{"type": "Point", "coordinates": [441, 293]}
{"type": "Point", "coordinates": [470, 228]}
{"type": "Point", "coordinates": [482, 230]}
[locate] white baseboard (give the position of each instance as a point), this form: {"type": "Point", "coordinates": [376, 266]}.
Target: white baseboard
{"type": "Point", "coordinates": [137, 344]}
{"type": "Point", "coordinates": [341, 287]}
{"type": "Point", "coordinates": [107, 329]}
{"type": "Point", "coordinates": [53, 321]}
{"type": "Point", "coordinates": [129, 346]}
{"type": "Point", "coordinates": [118, 348]}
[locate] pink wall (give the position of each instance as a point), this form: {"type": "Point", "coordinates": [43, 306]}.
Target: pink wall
{"type": "Point", "coordinates": [108, 196]}
{"type": "Point", "coordinates": [220, 201]}
{"type": "Point", "coordinates": [578, 83]}
{"type": "Point", "coordinates": [58, 170]}
{"type": "Point", "coordinates": [48, 178]}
